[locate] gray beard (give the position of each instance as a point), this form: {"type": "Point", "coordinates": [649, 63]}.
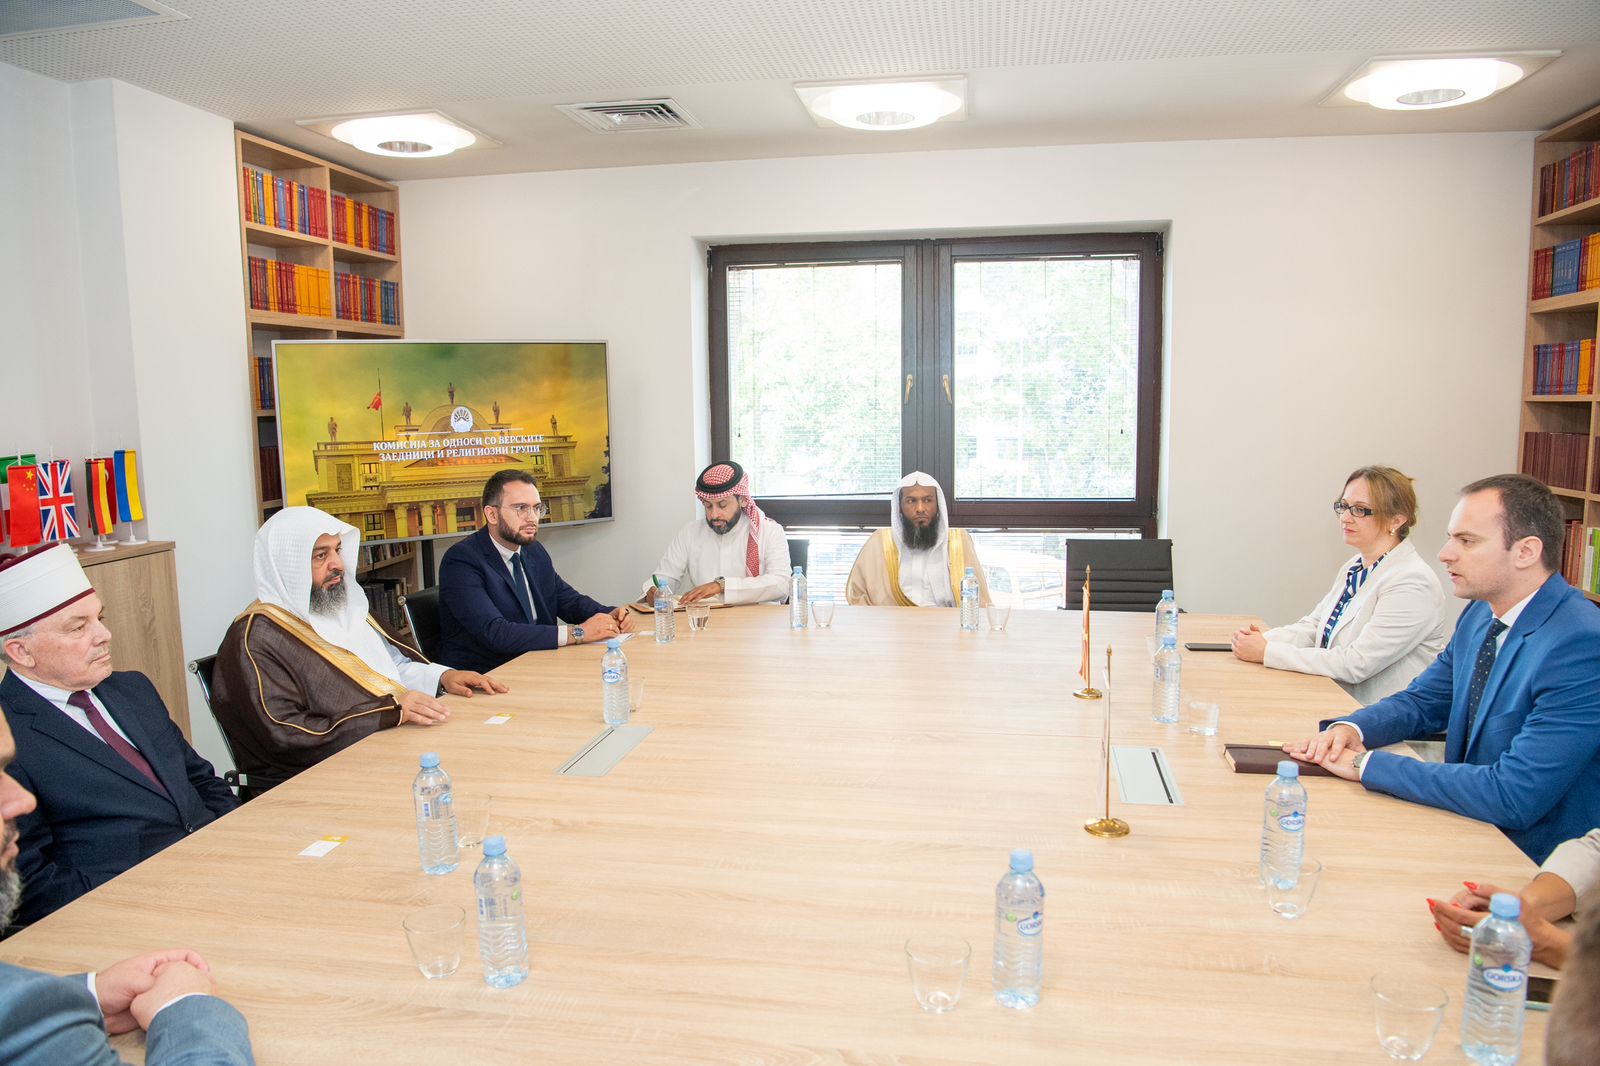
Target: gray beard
{"type": "Point", "coordinates": [919, 539]}
{"type": "Point", "coordinates": [329, 602]}
{"type": "Point", "coordinates": [10, 896]}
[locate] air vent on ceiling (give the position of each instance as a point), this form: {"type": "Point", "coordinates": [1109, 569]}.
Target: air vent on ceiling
{"type": "Point", "coordinates": [39, 18]}
{"type": "Point", "coordinates": [630, 116]}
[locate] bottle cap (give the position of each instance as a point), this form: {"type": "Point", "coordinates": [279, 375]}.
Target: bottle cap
{"type": "Point", "coordinates": [1288, 768]}
{"type": "Point", "coordinates": [613, 644]}
{"type": "Point", "coordinates": [1169, 640]}
{"type": "Point", "coordinates": [1166, 594]}
{"type": "Point", "coordinates": [800, 570]}
{"type": "Point", "coordinates": [493, 846]}
{"type": "Point", "coordinates": [1021, 861]}
{"type": "Point", "coordinates": [429, 760]}
{"type": "Point", "coordinates": [1505, 905]}
{"type": "Point", "coordinates": [971, 572]}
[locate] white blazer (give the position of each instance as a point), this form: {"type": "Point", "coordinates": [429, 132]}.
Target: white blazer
{"type": "Point", "coordinates": [1389, 632]}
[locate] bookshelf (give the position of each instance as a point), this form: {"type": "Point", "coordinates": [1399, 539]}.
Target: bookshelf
{"type": "Point", "coordinates": [1559, 440]}
{"type": "Point", "coordinates": [321, 258]}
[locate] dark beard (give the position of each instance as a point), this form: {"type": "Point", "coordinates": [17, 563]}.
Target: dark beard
{"type": "Point", "coordinates": [329, 601]}
{"type": "Point", "coordinates": [919, 539]}
{"type": "Point", "coordinates": [510, 534]}
{"type": "Point", "coordinates": [10, 882]}
{"type": "Point", "coordinates": [725, 530]}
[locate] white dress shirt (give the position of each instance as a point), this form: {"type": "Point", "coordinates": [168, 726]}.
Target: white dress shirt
{"type": "Point", "coordinates": [915, 567]}
{"type": "Point", "coordinates": [58, 698]}
{"type": "Point", "coordinates": [506, 555]}
{"type": "Point", "coordinates": [698, 555]}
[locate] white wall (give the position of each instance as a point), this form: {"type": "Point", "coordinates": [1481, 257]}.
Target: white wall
{"type": "Point", "coordinates": [128, 327]}
{"type": "Point", "coordinates": [1330, 302]}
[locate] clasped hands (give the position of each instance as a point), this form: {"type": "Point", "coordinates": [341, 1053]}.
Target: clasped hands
{"type": "Point", "coordinates": [1334, 749]}
{"type": "Point", "coordinates": [133, 990]}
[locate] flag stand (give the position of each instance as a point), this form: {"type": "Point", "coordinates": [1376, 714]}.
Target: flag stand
{"type": "Point", "coordinates": [102, 543]}
{"type": "Point", "coordinates": [1106, 826]}
{"type": "Point", "coordinates": [1088, 691]}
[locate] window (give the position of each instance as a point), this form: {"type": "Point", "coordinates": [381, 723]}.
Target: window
{"type": "Point", "coordinates": [374, 522]}
{"type": "Point", "coordinates": [1023, 373]}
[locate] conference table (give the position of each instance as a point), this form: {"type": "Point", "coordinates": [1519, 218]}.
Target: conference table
{"type": "Point", "coordinates": [739, 888]}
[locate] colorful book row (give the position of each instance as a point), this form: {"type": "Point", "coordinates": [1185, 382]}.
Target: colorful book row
{"type": "Point", "coordinates": [1560, 460]}
{"type": "Point", "coordinates": [283, 204]}
{"type": "Point", "coordinates": [362, 299]}
{"type": "Point", "coordinates": [1570, 181]}
{"type": "Point", "coordinates": [1571, 266]}
{"type": "Point", "coordinates": [1565, 369]}
{"type": "Point", "coordinates": [265, 394]}
{"type": "Point", "coordinates": [1580, 557]}
{"type": "Point", "coordinates": [362, 225]}
{"type": "Point", "coordinates": [288, 287]}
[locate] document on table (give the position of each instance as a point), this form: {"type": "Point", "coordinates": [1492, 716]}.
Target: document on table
{"type": "Point", "coordinates": [1143, 776]}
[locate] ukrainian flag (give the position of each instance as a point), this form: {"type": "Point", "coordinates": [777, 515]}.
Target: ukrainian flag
{"type": "Point", "coordinates": [129, 509]}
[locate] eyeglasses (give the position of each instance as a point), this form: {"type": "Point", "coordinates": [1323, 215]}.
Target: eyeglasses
{"type": "Point", "coordinates": [541, 511]}
{"type": "Point", "coordinates": [1341, 507]}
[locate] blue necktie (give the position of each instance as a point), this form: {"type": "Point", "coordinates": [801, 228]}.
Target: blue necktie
{"type": "Point", "coordinates": [1480, 674]}
{"type": "Point", "coordinates": [520, 579]}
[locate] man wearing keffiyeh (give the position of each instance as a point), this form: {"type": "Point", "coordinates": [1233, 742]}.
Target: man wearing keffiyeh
{"type": "Point", "coordinates": [735, 554]}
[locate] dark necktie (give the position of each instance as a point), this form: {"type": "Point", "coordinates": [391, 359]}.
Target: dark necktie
{"type": "Point", "coordinates": [1480, 673]}
{"type": "Point", "coordinates": [520, 579]}
{"type": "Point", "coordinates": [82, 701]}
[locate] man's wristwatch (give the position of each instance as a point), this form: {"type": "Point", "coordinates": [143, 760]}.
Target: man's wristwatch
{"type": "Point", "coordinates": [575, 633]}
{"type": "Point", "coordinates": [722, 585]}
{"type": "Point", "coordinates": [1359, 763]}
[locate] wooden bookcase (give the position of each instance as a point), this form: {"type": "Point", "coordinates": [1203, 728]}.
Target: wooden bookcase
{"type": "Point", "coordinates": [1559, 319]}
{"type": "Point", "coordinates": [326, 253]}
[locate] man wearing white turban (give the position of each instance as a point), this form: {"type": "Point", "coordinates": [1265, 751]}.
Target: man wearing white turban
{"type": "Point", "coordinates": [918, 561]}
{"type": "Point", "coordinates": [305, 671]}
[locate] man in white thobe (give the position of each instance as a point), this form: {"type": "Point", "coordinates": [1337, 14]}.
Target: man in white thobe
{"type": "Point", "coordinates": [735, 554]}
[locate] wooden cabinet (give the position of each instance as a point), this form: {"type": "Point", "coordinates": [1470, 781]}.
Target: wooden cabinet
{"type": "Point", "coordinates": [138, 584]}
{"type": "Point", "coordinates": [1560, 426]}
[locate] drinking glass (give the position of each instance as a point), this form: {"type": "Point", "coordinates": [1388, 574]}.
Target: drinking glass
{"type": "Point", "coordinates": [1409, 1012]}
{"type": "Point", "coordinates": [434, 934]}
{"type": "Point", "coordinates": [938, 966]}
{"type": "Point", "coordinates": [1291, 900]}
{"type": "Point", "coordinates": [822, 611]}
{"type": "Point", "coordinates": [699, 617]}
{"type": "Point", "coordinates": [998, 617]}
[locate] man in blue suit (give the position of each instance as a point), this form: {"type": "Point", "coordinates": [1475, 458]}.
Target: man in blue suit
{"type": "Point", "coordinates": [63, 1021]}
{"type": "Point", "coordinates": [115, 780]}
{"type": "Point", "coordinates": [1516, 691]}
{"type": "Point", "coordinates": [499, 593]}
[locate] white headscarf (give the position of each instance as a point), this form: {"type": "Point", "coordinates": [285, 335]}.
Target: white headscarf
{"type": "Point", "coordinates": [283, 579]}
{"type": "Point", "coordinates": [938, 573]}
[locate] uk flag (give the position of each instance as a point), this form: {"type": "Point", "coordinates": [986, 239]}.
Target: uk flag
{"type": "Point", "coordinates": [56, 502]}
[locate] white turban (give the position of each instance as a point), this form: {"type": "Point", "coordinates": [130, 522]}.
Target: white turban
{"type": "Point", "coordinates": [283, 579]}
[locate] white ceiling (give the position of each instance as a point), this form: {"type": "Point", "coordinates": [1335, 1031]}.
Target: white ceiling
{"type": "Point", "coordinates": [1038, 71]}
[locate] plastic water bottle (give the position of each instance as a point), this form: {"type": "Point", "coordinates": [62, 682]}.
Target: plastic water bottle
{"type": "Point", "coordinates": [1283, 827]}
{"type": "Point", "coordinates": [969, 600]}
{"type": "Point", "coordinates": [614, 684]}
{"type": "Point", "coordinates": [1167, 615]}
{"type": "Point", "coordinates": [502, 927]}
{"type": "Point", "coordinates": [798, 607]}
{"type": "Point", "coordinates": [1018, 934]}
{"type": "Point", "coordinates": [436, 818]}
{"type": "Point", "coordinates": [1166, 697]}
{"type": "Point", "coordinates": [1497, 984]}
{"type": "Point", "coordinates": [666, 620]}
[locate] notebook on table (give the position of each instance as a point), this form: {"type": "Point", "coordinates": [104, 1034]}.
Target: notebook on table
{"type": "Point", "coordinates": [1264, 759]}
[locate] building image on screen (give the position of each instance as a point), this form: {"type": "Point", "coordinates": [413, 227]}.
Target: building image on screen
{"type": "Point", "coordinates": [398, 437]}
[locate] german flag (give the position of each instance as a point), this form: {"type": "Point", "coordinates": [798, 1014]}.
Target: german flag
{"type": "Point", "coordinates": [102, 485]}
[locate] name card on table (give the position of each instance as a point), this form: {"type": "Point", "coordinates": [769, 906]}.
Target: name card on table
{"type": "Point", "coordinates": [1143, 776]}
{"type": "Point", "coordinates": [598, 756]}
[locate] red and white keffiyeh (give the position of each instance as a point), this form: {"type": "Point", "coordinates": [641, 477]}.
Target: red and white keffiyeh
{"type": "Point", "coordinates": [729, 479]}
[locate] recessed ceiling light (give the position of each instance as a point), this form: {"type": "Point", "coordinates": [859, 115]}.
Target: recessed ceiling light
{"type": "Point", "coordinates": [1425, 83]}
{"type": "Point", "coordinates": [412, 135]}
{"type": "Point", "coordinates": [885, 105]}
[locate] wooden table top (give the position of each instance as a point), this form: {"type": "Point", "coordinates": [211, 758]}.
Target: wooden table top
{"type": "Point", "coordinates": [740, 886]}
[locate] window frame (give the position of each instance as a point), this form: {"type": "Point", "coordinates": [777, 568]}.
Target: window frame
{"type": "Point", "coordinates": [927, 354]}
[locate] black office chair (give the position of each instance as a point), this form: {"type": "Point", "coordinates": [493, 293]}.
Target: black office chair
{"type": "Point", "coordinates": [1129, 575]}
{"type": "Point", "coordinates": [422, 616]}
{"type": "Point", "coordinates": [247, 786]}
{"type": "Point", "coordinates": [799, 553]}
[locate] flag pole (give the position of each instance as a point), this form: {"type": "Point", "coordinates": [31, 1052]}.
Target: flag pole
{"type": "Point", "coordinates": [1106, 826]}
{"type": "Point", "coordinates": [1088, 691]}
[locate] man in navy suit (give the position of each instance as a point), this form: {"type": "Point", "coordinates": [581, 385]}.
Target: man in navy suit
{"type": "Point", "coordinates": [115, 780]}
{"type": "Point", "coordinates": [499, 593]}
{"type": "Point", "coordinates": [1516, 691]}
{"type": "Point", "coordinates": [50, 1021]}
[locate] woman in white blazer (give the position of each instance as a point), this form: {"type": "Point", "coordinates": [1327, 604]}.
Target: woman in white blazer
{"type": "Point", "coordinates": [1382, 622]}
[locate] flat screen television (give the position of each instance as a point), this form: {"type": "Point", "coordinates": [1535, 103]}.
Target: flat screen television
{"type": "Point", "coordinates": [398, 437]}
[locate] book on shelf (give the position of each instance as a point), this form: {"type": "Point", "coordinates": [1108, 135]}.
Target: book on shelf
{"type": "Point", "coordinates": [1557, 459]}
{"type": "Point", "coordinates": [271, 476]}
{"type": "Point", "coordinates": [1566, 268]}
{"type": "Point", "coordinates": [283, 204]}
{"type": "Point", "coordinates": [361, 225]}
{"type": "Point", "coordinates": [266, 399]}
{"type": "Point", "coordinates": [288, 287]}
{"type": "Point", "coordinates": [384, 596]}
{"type": "Point", "coordinates": [1564, 369]}
{"type": "Point", "coordinates": [1580, 556]}
{"type": "Point", "coordinates": [363, 299]}
{"type": "Point", "coordinates": [1570, 181]}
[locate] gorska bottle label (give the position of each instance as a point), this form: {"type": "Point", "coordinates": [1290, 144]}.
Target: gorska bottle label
{"type": "Point", "coordinates": [611, 676]}
{"type": "Point", "coordinates": [1292, 822]}
{"type": "Point", "coordinates": [1032, 925]}
{"type": "Point", "coordinates": [1505, 979]}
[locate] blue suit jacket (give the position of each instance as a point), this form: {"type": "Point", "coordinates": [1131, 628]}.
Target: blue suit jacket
{"type": "Point", "coordinates": [481, 618]}
{"type": "Point", "coordinates": [97, 815]}
{"type": "Point", "coordinates": [1532, 763]}
{"type": "Point", "coordinates": [54, 1021]}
